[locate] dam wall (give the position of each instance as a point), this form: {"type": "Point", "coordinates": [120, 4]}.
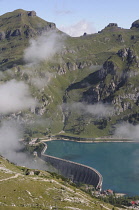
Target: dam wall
{"type": "Point", "coordinates": [77, 172]}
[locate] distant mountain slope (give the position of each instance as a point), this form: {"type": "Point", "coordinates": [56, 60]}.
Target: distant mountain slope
{"type": "Point", "coordinates": [15, 30]}
{"type": "Point", "coordinates": [73, 80]}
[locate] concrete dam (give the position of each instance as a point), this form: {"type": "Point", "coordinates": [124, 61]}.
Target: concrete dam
{"type": "Point", "coordinates": [77, 172]}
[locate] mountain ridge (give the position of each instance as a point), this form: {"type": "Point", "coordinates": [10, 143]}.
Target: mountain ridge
{"type": "Point", "coordinates": [91, 69]}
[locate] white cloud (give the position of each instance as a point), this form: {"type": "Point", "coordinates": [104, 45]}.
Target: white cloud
{"type": "Point", "coordinates": [63, 12]}
{"type": "Point", "coordinates": [9, 139]}
{"type": "Point", "coordinates": [98, 110]}
{"type": "Point", "coordinates": [44, 47]}
{"type": "Point", "coordinates": [11, 148]}
{"type": "Point", "coordinates": [79, 28]}
{"type": "Point", "coordinates": [127, 130]}
{"type": "Point", "coordinates": [15, 96]}
{"type": "Point", "coordinates": [40, 82]}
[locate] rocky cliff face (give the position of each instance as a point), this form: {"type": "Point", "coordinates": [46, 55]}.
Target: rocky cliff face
{"type": "Point", "coordinates": [89, 70]}
{"type": "Point", "coordinates": [112, 84]}
{"type": "Point", "coordinates": [135, 24]}
{"type": "Point", "coordinates": [112, 79]}
{"type": "Point", "coordinates": [25, 29]}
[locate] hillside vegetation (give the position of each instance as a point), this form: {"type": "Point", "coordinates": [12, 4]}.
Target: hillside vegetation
{"type": "Point", "coordinates": [83, 86]}
{"type": "Point", "coordinates": [23, 188]}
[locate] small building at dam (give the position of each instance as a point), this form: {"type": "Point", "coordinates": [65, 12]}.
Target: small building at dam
{"type": "Point", "coordinates": [77, 172]}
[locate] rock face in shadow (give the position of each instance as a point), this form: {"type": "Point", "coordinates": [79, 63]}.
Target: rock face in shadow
{"type": "Point", "coordinates": [29, 25]}
{"type": "Point", "coordinates": [112, 25]}
{"type": "Point", "coordinates": [31, 13]}
{"type": "Point", "coordinates": [135, 24]}
{"type": "Point", "coordinates": [78, 173]}
{"type": "Point", "coordinates": [16, 32]}
{"type": "Point", "coordinates": [2, 35]}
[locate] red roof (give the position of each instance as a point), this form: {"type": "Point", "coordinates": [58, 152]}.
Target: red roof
{"type": "Point", "coordinates": [110, 191]}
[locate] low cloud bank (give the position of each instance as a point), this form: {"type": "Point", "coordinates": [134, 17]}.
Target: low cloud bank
{"type": "Point", "coordinates": [99, 109]}
{"type": "Point", "coordinates": [40, 82]}
{"type": "Point", "coordinates": [127, 130]}
{"type": "Point", "coordinates": [79, 28]}
{"type": "Point", "coordinates": [44, 47]}
{"type": "Point", "coordinates": [11, 148]}
{"type": "Point", "coordinates": [14, 97]}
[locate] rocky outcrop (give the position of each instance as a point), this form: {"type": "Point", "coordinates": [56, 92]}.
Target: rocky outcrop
{"type": "Point", "coordinates": [120, 38]}
{"type": "Point", "coordinates": [110, 67]}
{"type": "Point", "coordinates": [31, 13]}
{"type": "Point", "coordinates": [27, 29]}
{"type": "Point", "coordinates": [28, 13]}
{"type": "Point", "coordinates": [127, 54]}
{"type": "Point", "coordinates": [5, 60]}
{"type": "Point", "coordinates": [103, 89]}
{"type": "Point", "coordinates": [72, 66]}
{"type": "Point", "coordinates": [125, 101]}
{"type": "Point", "coordinates": [135, 24]}
{"type": "Point", "coordinates": [16, 32]}
{"type": "Point", "coordinates": [29, 32]}
{"type": "Point", "coordinates": [2, 35]}
{"type": "Point", "coordinates": [110, 79]}
{"type": "Point", "coordinates": [48, 27]}
{"type": "Point", "coordinates": [112, 25]}
{"type": "Point", "coordinates": [8, 33]}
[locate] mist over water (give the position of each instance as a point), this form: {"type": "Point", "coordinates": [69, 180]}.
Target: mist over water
{"type": "Point", "coordinates": [127, 130]}
{"type": "Point", "coordinates": [118, 163]}
{"type": "Point", "coordinates": [11, 147]}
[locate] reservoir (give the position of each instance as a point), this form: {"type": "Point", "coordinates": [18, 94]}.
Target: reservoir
{"type": "Point", "coordinates": [118, 163]}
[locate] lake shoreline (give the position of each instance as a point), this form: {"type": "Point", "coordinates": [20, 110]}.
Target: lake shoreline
{"type": "Point", "coordinates": [97, 156]}
{"type": "Point", "coordinates": [94, 140]}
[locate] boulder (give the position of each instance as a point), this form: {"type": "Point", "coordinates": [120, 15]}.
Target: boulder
{"type": "Point", "coordinates": [8, 33]}
{"type": "Point", "coordinates": [47, 28]}
{"type": "Point", "coordinates": [135, 24]}
{"type": "Point", "coordinates": [5, 60]}
{"type": "Point", "coordinates": [2, 35]}
{"type": "Point", "coordinates": [110, 67]}
{"type": "Point", "coordinates": [127, 53]}
{"type": "Point", "coordinates": [120, 38]}
{"type": "Point", "coordinates": [31, 13]}
{"type": "Point", "coordinates": [52, 25]}
{"type": "Point", "coordinates": [123, 53]}
{"type": "Point", "coordinates": [29, 32]}
{"type": "Point", "coordinates": [112, 25]}
{"type": "Point", "coordinates": [20, 14]}
{"type": "Point", "coordinates": [16, 32]}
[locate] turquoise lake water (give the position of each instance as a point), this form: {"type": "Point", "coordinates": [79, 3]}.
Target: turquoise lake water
{"type": "Point", "coordinates": [117, 162]}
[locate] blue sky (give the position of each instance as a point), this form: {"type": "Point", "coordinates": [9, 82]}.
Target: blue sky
{"type": "Point", "coordinates": [79, 15]}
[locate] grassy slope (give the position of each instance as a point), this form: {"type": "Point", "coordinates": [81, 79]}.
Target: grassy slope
{"type": "Point", "coordinates": [76, 94]}
{"type": "Point", "coordinates": [20, 191]}
{"type": "Point", "coordinates": [15, 45]}
{"type": "Point", "coordinates": [92, 49]}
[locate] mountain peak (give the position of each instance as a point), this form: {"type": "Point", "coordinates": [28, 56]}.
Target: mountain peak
{"type": "Point", "coordinates": [18, 12]}
{"type": "Point", "coordinates": [112, 25]}
{"type": "Point", "coordinates": [23, 12]}
{"type": "Point", "coordinates": [135, 24]}
{"type": "Point", "coordinates": [23, 23]}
